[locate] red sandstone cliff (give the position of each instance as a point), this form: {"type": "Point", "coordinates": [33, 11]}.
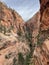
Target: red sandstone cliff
{"type": "Point", "coordinates": [9, 18]}
{"type": "Point", "coordinates": [44, 9]}
{"type": "Point", "coordinates": [19, 38]}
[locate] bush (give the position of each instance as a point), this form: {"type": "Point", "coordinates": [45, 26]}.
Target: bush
{"type": "Point", "coordinates": [14, 61]}
{"type": "Point", "coordinates": [27, 60]}
{"type": "Point", "coordinates": [20, 59]}
{"type": "Point", "coordinates": [19, 32]}
{"type": "Point", "coordinates": [2, 28]}
{"type": "Point", "coordinates": [7, 56]}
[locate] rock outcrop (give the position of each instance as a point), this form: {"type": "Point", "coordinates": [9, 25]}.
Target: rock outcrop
{"type": "Point", "coordinates": [12, 44]}
{"type": "Point", "coordinates": [44, 10]}
{"type": "Point", "coordinates": [41, 52]}
{"type": "Point", "coordinates": [9, 19]}
{"type": "Point", "coordinates": [33, 26]}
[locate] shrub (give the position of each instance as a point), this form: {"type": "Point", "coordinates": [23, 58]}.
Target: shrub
{"type": "Point", "coordinates": [20, 59]}
{"type": "Point", "coordinates": [4, 29]}
{"type": "Point", "coordinates": [19, 32]}
{"type": "Point", "coordinates": [27, 60]}
{"type": "Point", "coordinates": [7, 56]}
{"type": "Point", "coordinates": [14, 61]}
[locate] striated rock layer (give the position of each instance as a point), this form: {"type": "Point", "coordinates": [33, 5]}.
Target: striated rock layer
{"type": "Point", "coordinates": [44, 10]}
{"type": "Point", "coordinates": [41, 52]}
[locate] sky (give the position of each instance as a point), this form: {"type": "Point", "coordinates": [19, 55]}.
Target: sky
{"type": "Point", "coordinates": [26, 8]}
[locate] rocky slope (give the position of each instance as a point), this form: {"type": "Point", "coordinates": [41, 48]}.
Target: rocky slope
{"type": "Point", "coordinates": [41, 52]}
{"type": "Point", "coordinates": [39, 28]}
{"type": "Point", "coordinates": [24, 43]}
{"type": "Point", "coordinates": [9, 19]}
{"type": "Point", "coordinates": [33, 24]}
{"type": "Point", "coordinates": [12, 44]}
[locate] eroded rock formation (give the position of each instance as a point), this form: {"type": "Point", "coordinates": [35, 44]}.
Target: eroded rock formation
{"type": "Point", "coordinates": [9, 18]}
{"type": "Point", "coordinates": [44, 10]}
{"type": "Point", "coordinates": [41, 53]}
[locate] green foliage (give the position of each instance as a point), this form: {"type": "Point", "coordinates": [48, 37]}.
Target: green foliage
{"type": "Point", "coordinates": [29, 56]}
{"type": "Point", "coordinates": [28, 36]}
{"type": "Point", "coordinates": [14, 61]}
{"type": "Point", "coordinates": [20, 59]}
{"type": "Point", "coordinates": [2, 28]}
{"type": "Point", "coordinates": [27, 60]}
{"type": "Point", "coordinates": [10, 28]}
{"type": "Point", "coordinates": [8, 56]}
{"type": "Point", "coordinates": [39, 40]}
{"type": "Point", "coordinates": [19, 32]}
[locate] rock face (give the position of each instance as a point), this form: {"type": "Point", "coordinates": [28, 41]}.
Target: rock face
{"type": "Point", "coordinates": [41, 53]}
{"type": "Point", "coordinates": [9, 19]}
{"type": "Point", "coordinates": [44, 9]}
{"type": "Point", "coordinates": [33, 25]}
{"type": "Point", "coordinates": [12, 44]}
